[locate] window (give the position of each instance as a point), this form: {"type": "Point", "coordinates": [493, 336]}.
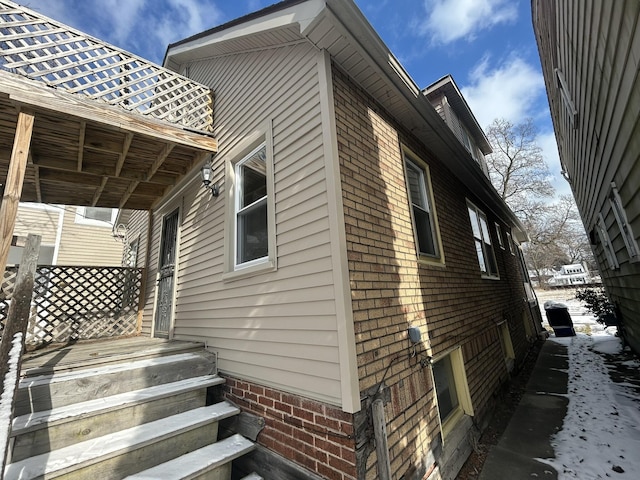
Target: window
{"type": "Point", "coordinates": [507, 345]}
{"type": "Point", "coordinates": [96, 216]}
{"type": "Point", "coordinates": [452, 390]}
{"type": "Point", "coordinates": [499, 235]}
{"type": "Point", "coordinates": [510, 242]}
{"type": "Point", "coordinates": [623, 223]}
{"type": "Point", "coordinates": [424, 222]}
{"type": "Point", "coordinates": [482, 239]}
{"type": "Point", "coordinates": [251, 229]}
{"type": "Point", "coordinates": [609, 252]}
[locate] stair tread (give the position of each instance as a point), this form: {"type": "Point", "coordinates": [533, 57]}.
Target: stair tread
{"type": "Point", "coordinates": [30, 382]}
{"type": "Point", "coordinates": [46, 418]}
{"type": "Point", "coordinates": [198, 461]}
{"type": "Point", "coordinates": [108, 446]}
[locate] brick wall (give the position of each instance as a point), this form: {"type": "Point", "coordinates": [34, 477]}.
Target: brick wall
{"type": "Point", "coordinates": [451, 303]}
{"type": "Point", "coordinates": [315, 435]}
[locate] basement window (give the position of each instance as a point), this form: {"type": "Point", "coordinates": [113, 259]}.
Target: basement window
{"type": "Point", "coordinates": [452, 390]}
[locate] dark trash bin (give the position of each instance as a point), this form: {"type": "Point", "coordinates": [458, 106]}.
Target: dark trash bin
{"type": "Point", "coordinates": [559, 319]}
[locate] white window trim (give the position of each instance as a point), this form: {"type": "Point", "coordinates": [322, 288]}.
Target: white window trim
{"type": "Point", "coordinates": [609, 252]}
{"type": "Point", "coordinates": [510, 243]}
{"type": "Point", "coordinates": [427, 190]}
{"type": "Point", "coordinates": [268, 263]}
{"type": "Point", "coordinates": [499, 235]}
{"type": "Point", "coordinates": [485, 274]}
{"type": "Point", "coordinates": [81, 219]}
{"type": "Point", "coordinates": [624, 225]}
{"type": "Point", "coordinates": [465, 406]}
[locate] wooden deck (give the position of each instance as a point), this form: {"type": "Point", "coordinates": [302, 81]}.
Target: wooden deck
{"type": "Point", "coordinates": [96, 352]}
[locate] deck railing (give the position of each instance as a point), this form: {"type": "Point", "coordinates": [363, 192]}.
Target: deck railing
{"type": "Point", "coordinates": [76, 303]}
{"type": "Point", "coordinates": [51, 52]}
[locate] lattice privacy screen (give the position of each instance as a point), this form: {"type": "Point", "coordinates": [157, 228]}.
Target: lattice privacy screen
{"type": "Point", "coordinates": [51, 52]}
{"type": "Point", "coordinates": [73, 303]}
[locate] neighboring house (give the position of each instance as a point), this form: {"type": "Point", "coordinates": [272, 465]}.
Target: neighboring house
{"type": "Point", "coordinates": [574, 274]}
{"type": "Point", "coordinates": [356, 254]}
{"type": "Point", "coordinates": [70, 235]}
{"type": "Point", "coordinates": [590, 61]}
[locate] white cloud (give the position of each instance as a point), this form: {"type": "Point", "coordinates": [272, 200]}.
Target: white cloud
{"type": "Point", "coordinates": [451, 20]}
{"type": "Point", "coordinates": [512, 90]}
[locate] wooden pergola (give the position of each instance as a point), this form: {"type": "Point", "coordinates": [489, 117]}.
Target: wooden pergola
{"type": "Point", "coordinates": [85, 123]}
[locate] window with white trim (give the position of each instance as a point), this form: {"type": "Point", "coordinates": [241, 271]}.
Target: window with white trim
{"type": "Point", "coordinates": [510, 243]}
{"type": "Point", "coordinates": [482, 241]}
{"type": "Point", "coordinates": [422, 211]}
{"type": "Point", "coordinates": [499, 235]}
{"type": "Point", "coordinates": [452, 389]}
{"type": "Point", "coordinates": [623, 223]}
{"type": "Point", "coordinates": [250, 218]}
{"type": "Point", "coordinates": [96, 216]}
{"type": "Point", "coordinates": [609, 252]}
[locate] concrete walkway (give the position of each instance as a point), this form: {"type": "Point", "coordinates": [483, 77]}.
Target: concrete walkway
{"type": "Point", "coordinates": [539, 415]}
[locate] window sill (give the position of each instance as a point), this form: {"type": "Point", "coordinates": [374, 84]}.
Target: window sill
{"type": "Point", "coordinates": [431, 261]}
{"type": "Point", "coordinates": [490, 277]}
{"type": "Point", "coordinates": [452, 421]}
{"type": "Point", "coordinates": [268, 266]}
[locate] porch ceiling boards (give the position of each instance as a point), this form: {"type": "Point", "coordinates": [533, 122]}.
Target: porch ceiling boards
{"type": "Point", "coordinates": [85, 152]}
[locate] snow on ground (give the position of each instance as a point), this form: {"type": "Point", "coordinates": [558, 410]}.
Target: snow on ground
{"type": "Point", "coordinates": [600, 438]}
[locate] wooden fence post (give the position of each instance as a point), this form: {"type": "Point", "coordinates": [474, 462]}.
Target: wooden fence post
{"type": "Point", "coordinates": [13, 338]}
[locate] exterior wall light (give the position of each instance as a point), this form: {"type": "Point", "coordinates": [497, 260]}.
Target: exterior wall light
{"type": "Point", "coordinates": [207, 174]}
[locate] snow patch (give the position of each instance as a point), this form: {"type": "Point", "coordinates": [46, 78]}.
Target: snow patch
{"type": "Point", "coordinates": [600, 437]}
{"type": "Point", "coordinates": [9, 387]}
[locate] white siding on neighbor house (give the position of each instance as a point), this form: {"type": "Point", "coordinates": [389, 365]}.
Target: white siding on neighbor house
{"type": "Point", "coordinates": [279, 327]}
{"type": "Point", "coordinates": [39, 221]}
{"type": "Point", "coordinates": [88, 245]}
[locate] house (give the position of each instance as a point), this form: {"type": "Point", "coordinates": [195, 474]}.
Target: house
{"type": "Point", "coordinates": [349, 261]}
{"type": "Point", "coordinates": [593, 90]}
{"type": "Point", "coordinates": [569, 275]}
{"type": "Point", "coordinates": [71, 235]}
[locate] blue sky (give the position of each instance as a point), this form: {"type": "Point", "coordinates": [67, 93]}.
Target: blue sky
{"type": "Point", "coordinates": [487, 45]}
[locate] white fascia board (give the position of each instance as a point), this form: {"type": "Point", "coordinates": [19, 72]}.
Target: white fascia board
{"type": "Point", "coordinates": [302, 14]}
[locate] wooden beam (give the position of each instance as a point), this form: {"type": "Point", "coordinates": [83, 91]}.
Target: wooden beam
{"type": "Point", "coordinates": [123, 154]}
{"type": "Point", "coordinates": [14, 333]}
{"type": "Point", "coordinates": [13, 188]}
{"type": "Point", "coordinates": [99, 190]}
{"type": "Point", "coordinates": [150, 173]}
{"type": "Point", "coordinates": [37, 95]}
{"type": "Point", "coordinates": [83, 132]}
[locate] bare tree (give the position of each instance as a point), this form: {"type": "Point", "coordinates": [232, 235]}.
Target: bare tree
{"type": "Point", "coordinates": [522, 178]}
{"type": "Point", "coordinates": [517, 167]}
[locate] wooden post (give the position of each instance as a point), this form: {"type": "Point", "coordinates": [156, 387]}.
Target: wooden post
{"type": "Point", "coordinates": [13, 338]}
{"type": "Point", "coordinates": [380, 433]}
{"type": "Point", "coordinates": [13, 188]}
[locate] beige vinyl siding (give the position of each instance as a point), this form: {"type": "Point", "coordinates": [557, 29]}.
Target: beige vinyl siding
{"type": "Point", "coordinates": [280, 327]}
{"type": "Point", "coordinates": [90, 245]}
{"type": "Point", "coordinates": [39, 221]}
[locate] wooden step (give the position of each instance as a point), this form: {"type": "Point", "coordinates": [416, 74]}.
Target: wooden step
{"type": "Point", "coordinates": [212, 462]}
{"type": "Point", "coordinates": [43, 431]}
{"type": "Point", "coordinates": [46, 392]}
{"type": "Point", "coordinates": [114, 456]}
{"type": "Point", "coordinates": [100, 352]}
